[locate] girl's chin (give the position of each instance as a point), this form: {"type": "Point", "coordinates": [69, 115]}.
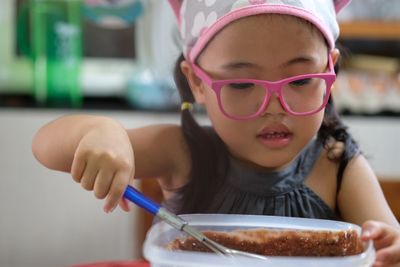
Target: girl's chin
{"type": "Point", "coordinates": [271, 163]}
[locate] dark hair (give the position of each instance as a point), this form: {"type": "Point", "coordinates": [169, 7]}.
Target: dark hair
{"type": "Point", "coordinates": [333, 126]}
{"type": "Point", "coordinates": [209, 157]}
{"type": "Point", "coordinates": [204, 151]}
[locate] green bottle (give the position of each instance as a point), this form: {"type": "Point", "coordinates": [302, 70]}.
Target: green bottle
{"type": "Point", "coordinates": [55, 50]}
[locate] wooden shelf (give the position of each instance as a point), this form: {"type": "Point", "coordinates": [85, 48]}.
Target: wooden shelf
{"type": "Point", "coordinates": [391, 189]}
{"type": "Point", "coordinates": [370, 30]}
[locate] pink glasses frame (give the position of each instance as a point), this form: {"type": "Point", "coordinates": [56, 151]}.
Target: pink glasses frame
{"type": "Point", "coordinates": [271, 87]}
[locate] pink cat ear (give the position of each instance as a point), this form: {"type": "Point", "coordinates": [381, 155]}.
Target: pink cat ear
{"type": "Point", "coordinates": [339, 4]}
{"type": "Point", "coordinates": [176, 7]}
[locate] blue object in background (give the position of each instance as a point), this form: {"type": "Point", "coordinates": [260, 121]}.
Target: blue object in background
{"type": "Point", "coordinates": [146, 92]}
{"type": "Point", "coordinates": [113, 14]}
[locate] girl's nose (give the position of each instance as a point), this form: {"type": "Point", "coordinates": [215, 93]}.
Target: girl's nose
{"type": "Point", "coordinates": [273, 106]}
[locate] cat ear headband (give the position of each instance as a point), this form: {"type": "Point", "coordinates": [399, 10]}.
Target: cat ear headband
{"type": "Point", "coordinates": [200, 20]}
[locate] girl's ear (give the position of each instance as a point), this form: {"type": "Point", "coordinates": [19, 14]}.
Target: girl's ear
{"type": "Point", "coordinates": [335, 54]}
{"type": "Point", "coordinates": [196, 85]}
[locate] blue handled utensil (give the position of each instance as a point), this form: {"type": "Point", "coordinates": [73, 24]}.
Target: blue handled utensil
{"type": "Point", "coordinates": [178, 223]}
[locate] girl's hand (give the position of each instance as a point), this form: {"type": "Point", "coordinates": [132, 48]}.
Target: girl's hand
{"type": "Point", "coordinates": [103, 162]}
{"type": "Point", "coordinates": [386, 240]}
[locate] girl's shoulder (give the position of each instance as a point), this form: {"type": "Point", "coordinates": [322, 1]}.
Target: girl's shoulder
{"type": "Point", "coordinates": [325, 178]}
{"type": "Point", "coordinates": [322, 178]}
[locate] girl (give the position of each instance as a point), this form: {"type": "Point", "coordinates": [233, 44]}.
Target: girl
{"type": "Point", "coordinates": [263, 70]}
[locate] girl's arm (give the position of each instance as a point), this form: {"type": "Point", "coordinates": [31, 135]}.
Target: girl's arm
{"type": "Point", "coordinates": [103, 156]}
{"type": "Point", "coordinates": [55, 143]}
{"type": "Point", "coordinates": [360, 197]}
{"type": "Point", "coordinates": [361, 201]}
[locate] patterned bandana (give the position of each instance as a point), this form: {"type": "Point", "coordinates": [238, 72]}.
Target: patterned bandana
{"type": "Point", "coordinates": [200, 20]}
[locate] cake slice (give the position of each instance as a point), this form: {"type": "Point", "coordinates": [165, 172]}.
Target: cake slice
{"type": "Point", "coordinates": [280, 242]}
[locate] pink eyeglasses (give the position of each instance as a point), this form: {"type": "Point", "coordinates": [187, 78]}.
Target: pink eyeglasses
{"type": "Point", "coordinates": [243, 99]}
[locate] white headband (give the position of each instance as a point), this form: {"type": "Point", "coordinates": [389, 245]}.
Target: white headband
{"type": "Point", "coordinates": [200, 20]}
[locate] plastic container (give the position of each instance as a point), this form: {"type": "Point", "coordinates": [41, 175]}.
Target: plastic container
{"type": "Point", "coordinates": [161, 234]}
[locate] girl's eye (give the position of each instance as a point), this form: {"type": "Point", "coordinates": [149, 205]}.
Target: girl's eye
{"type": "Point", "coordinates": [241, 85]}
{"type": "Point", "coordinates": [301, 82]}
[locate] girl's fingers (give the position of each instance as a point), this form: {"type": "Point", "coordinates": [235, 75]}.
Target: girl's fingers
{"type": "Point", "coordinates": [383, 243]}
{"type": "Point", "coordinates": [89, 176]}
{"type": "Point", "coordinates": [118, 186]}
{"type": "Point", "coordinates": [124, 204]}
{"type": "Point", "coordinates": [103, 182]}
{"type": "Point", "coordinates": [389, 256]}
{"type": "Point", "coordinates": [372, 230]}
{"type": "Point", "coordinates": [78, 167]}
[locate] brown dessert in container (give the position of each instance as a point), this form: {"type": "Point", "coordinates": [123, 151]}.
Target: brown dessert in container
{"type": "Point", "coordinates": [280, 243]}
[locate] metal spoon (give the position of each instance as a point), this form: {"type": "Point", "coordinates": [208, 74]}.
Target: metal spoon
{"type": "Point", "coordinates": [178, 223]}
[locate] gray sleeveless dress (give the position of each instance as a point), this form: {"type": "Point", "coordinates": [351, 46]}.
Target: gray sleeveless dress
{"type": "Point", "coordinates": [282, 193]}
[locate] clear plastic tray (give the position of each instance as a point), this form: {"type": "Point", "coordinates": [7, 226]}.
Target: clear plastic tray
{"type": "Point", "coordinates": [161, 234]}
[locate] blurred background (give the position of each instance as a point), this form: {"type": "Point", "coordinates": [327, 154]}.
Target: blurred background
{"type": "Point", "coordinates": [115, 58]}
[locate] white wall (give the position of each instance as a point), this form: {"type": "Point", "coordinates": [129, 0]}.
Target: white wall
{"type": "Point", "coordinates": [379, 139]}
{"type": "Point", "coordinates": [46, 219]}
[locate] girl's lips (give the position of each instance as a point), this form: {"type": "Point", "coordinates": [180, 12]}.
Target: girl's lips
{"type": "Point", "coordinates": [275, 136]}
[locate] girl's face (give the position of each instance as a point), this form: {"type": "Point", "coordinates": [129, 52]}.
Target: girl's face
{"type": "Point", "coordinates": [264, 47]}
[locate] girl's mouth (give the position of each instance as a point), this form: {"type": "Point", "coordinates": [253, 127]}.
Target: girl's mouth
{"type": "Point", "coordinates": [275, 138]}
{"type": "Point", "coordinates": [275, 135]}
